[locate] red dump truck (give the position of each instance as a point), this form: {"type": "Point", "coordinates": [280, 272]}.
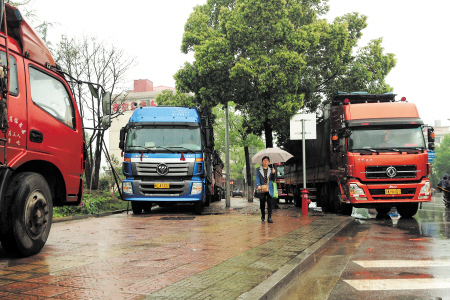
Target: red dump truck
{"type": "Point", "coordinates": [42, 153]}
{"type": "Point", "coordinates": [370, 152]}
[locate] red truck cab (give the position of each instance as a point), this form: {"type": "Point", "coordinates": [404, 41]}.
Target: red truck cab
{"type": "Point", "coordinates": [370, 152]}
{"type": "Point", "coordinates": [380, 154]}
{"type": "Point", "coordinates": [42, 148]}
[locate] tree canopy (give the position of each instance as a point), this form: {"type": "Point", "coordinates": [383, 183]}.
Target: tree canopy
{"type": "Point", "coordinates": [441, 163]}
{"type": "Point", "coordinates": [273, 58]}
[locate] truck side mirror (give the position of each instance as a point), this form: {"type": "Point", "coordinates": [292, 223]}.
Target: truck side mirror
{"type": "Point", "coordinates": [122, 138]}
{"type": "Point", "coordinates": [94, 91]}
{"type": "Point", "coordinates": [106, 121]}
{"type": "Point", "coordinates": [106, 101]}
{"type": "Point", "coordinates": [430, 134]}
{"type": "Point", "coordinates": [209, 137]}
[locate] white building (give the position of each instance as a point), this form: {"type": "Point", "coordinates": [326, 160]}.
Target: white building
{"type": "Point", "coordinates": [143, 94]}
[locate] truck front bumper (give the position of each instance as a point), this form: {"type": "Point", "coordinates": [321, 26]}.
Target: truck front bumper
{"type": "Point", "coordinates": [178, 190]}
{"type": "Point", "coordinates": [388, 193]}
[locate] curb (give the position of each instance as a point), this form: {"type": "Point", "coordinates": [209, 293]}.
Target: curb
{"type": "Point", "coordinates": [273, 286]}
{"type": "Point", "coordinates": [80, 217]}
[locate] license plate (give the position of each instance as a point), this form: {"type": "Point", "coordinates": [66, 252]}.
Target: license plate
{"type": "Point", "coordinates": [392, 191]}
{"type": "Point", "coordinates": [162, 185]}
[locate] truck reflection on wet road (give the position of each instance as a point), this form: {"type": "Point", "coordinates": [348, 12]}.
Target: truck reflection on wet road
{"type": "Point", "coordinates": [384, 257]}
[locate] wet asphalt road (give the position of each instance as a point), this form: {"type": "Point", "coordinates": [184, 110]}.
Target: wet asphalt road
{"type": "Point", "coordinates": [383, 258]}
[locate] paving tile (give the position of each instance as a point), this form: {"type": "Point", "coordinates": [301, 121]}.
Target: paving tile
{"type": "Point", "coordinates": [218, 255]}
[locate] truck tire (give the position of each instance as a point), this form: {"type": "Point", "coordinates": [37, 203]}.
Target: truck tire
{"type": "Point", "coordinates": [198, 207]}
{"type": "Point", "coordinates": [325, 198]}
{"type": "Point", "coordinates": [29, 208]}
{"type": "Point", "coordinates": [136, 207]}
{"type": "Point", "coordinates": [336, 198]}
{"type": "Point", "coordinates": [383, 210]}
{"type": "Point", "coordinates": [147, 207]}
{"type": "Point", "coordinates": [407, 210]}
{"type": "Point", "coordinates": [207, 197]}
{"type": "Point", "coordinates": [297, 198]}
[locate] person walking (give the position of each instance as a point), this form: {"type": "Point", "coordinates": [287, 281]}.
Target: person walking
{"type": "Point", "coordinates": [265, 176]}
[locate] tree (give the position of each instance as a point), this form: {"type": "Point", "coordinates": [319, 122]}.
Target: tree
{"type": "Point", "coordinates": [90, 60]}
{"type": "Point", "coordinates": [274, 57]}
{"type": "Point", "coordinates": [441, 164]}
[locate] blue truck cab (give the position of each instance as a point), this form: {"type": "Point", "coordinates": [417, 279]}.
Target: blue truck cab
{"type": "Point", "coordinates": [167, 158]}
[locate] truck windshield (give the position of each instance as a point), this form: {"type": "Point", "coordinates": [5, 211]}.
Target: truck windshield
{"type": "Point", "coordinates": [386, 138]}
{"type": "Point", "coordinates": [163, 138]}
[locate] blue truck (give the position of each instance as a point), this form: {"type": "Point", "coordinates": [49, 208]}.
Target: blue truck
{"type": "Point", "coordinates": [169, 158]}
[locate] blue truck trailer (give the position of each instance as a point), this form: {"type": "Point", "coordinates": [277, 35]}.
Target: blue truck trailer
{"type": "Point", "coordinates": [169, 158]}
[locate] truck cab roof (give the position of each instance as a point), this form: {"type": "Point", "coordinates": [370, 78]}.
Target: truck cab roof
{"type": "Point", "coordinates": [165, 114]}
{"type": "Point", "coordinates": [24, 40]}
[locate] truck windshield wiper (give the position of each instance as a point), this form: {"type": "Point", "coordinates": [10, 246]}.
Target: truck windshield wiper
{"type": "Point", "coordinates": [391, 149]}
{"type": "Point", "coordinates": [366, 149]}
{"type": "Point", "coordinates": [182, 148]}
{"type": "Point", "coordinates": [166, 148]}
{"type": "Point", "coordinates": [140, 147]}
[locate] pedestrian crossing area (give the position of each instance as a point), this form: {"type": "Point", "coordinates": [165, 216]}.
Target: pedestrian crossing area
{"type": "Point", "coordinates": [400, 284]}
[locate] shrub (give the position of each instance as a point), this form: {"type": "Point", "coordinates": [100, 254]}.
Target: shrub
{"type": "Point", "coordinates": [93, 203]}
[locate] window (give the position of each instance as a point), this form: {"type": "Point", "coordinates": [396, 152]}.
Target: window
{"type": "Point", "coordinates": [50, 95]}
{"type": "Point", "coordinates": [13, 85]}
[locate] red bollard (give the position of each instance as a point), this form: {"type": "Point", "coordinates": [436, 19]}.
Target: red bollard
{"type": "Point", "coordinates": [305, 202]}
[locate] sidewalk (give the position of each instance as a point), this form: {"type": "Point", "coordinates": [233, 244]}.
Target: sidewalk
{"type": "Point", "coordinates": [226, 253]}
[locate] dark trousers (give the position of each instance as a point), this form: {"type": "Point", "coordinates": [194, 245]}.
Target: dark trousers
{"type": "Point", "coordinates": [262, 205]}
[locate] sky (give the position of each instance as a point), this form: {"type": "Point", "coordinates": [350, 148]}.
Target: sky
{"type": "Point", "coordinates": [151, 31]}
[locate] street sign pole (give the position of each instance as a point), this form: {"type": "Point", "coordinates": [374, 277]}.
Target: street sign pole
{"type": "Point", "coordinates": [227, 159]}
{"type": "Point", "coordinates": [305, 200]}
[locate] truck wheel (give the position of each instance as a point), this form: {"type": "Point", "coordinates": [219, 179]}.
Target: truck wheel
{"type": "Point", "coordinates": [136, 206]}
{"type": "Point", "coordinates": [383, 210]}
{"type": "Point", "coordinates": [337, 199]}
{"type": "Point", "coordinates": [407, 210]}
{"type": "Point", "coordinates": [346, 209]}
{"type": "Point", "coordinates": [325, 198]}
{"type": "Point", "coordinates": [29, 215]}
{"type": "Point", "coordinates": [208, 198]}
{"type": "Point", "coordinates": [297, 198]}
{"type": "Point", "coordinates": [198, 207]}
{"type": "Point", "coordinates": [147, 207]}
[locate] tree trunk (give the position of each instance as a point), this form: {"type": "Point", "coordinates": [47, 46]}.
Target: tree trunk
{"type": "Point", "coordinates": [97, 160]}
{"type": "Point", "coordinates": [268, 134]}
{"type": "Point", "coordinates": [248, 171]}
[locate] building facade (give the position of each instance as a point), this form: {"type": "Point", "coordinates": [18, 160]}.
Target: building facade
{"type": "Point", "coordinates": [143, 94]}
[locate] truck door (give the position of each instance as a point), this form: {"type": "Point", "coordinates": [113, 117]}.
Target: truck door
{"type": "Point", "coordinates": [54, 130]}
{"type": "Point", "coordinates": [17, 118]}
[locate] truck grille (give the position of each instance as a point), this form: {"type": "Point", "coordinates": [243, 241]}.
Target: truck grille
{"type": "Point", "coordinates": [175, 168]}
{"type": "Point", "coordinates": [383, 172]}
{"type": "Point", "coordinates": [177, 188]}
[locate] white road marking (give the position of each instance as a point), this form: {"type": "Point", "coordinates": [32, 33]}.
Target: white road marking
{"type": "Point", "coordinates": [402, 263]}
{"type": "Point", "coordinates": [400, 284]}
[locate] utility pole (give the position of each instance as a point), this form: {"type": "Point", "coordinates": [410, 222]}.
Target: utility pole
{"type": "Point", "coordinates": [227, 158]}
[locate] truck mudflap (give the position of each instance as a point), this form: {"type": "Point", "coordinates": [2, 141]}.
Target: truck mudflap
{"type": "Point", "coordinates": [359, 193]}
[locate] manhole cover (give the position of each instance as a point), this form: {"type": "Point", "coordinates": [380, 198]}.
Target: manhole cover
{"type": "Point", "coordinates": [177, 218]}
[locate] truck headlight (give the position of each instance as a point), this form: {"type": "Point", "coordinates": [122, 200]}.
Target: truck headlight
{"type": "Point", "coordinates": [196, 188]}
{"type": "Point", "coordinates": [127, 187]}
{"type": "Point", "coordinates": [357, 192]}
{"type": "Point", "coordinates": [425, 191]}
